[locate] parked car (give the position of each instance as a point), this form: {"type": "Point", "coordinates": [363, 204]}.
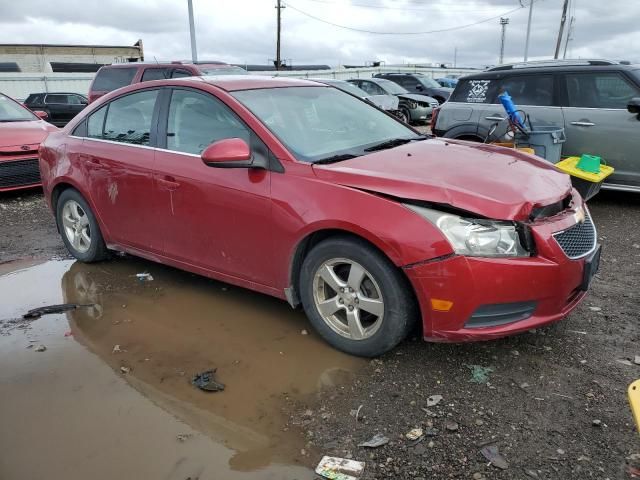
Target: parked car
{"type": "Point", "coordinates": [112, 77]}
{"type": "Point", "coordinates": [413, 108]}
{"type": "Point", "coordinates": [447, 82]}
{"type": "Point", "coordinates": [596, 101]}
{"type": "Point", "coordinates": [21, 132]}
{"type": "Point", "coordinates": [60, 107]}
{"type": "Point", "coordinates": [419, 83]}
{"type": "Point", "coordinates": [306, 193]}
{"type": "Point", "coordinates": [388, 103]}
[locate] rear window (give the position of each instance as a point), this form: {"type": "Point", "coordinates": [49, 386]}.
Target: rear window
{"type": "Point", "coordinates": [474, 91]}
{"type": "Point", "coordinates": [109, 79]}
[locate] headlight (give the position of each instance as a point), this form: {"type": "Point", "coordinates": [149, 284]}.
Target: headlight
{"type": "Point", "coordinates": [475, 237]}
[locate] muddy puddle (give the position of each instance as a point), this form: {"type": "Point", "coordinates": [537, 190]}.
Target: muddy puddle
{"type": "Point", "coordinates": [73, 409]}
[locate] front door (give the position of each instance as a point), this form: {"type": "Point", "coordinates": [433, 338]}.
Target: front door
{"type": "Point", "coordinates": [533, 94]}
{"type": "Point", "coordinates": [120, 169]}
{"type": "Point", "coordinates": [597, 122]}
{"type": "Point", "coordinates": [212, 218]}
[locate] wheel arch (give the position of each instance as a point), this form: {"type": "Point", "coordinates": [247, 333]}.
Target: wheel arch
{"type": "Point", "coordinates": [66, 184]}
{"type": "Point", "coordinates": [304, 246]}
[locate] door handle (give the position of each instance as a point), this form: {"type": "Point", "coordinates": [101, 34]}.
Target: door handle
{"type": "Point", "coordinates": [169, 183]}
{"type": "Point", "coordinates": [583, 124]}
{"type": "Point", "coordinates": [495, 119]}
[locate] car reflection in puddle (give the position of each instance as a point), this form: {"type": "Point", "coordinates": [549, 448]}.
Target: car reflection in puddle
{"type": "Point", "coordinates": [180, 324]}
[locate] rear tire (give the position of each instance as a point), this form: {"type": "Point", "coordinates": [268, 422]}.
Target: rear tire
{"type": "Point", "coordinates": [355, 298]}
{"type": "Point", "coordinates": [79, 228]}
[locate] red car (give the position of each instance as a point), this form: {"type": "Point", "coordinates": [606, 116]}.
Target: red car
{"type": "Point", "coordinates": [307, 193]}
{"type": "Point", "coordinates": [21, 132]}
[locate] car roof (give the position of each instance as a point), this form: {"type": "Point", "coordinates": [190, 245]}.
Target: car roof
{"type": "Point", "coordinates": [232, 83]}
{"type": "Point", "coordinates": [550, 67]}
{"type": "Point", "coordinates": [209, 64]}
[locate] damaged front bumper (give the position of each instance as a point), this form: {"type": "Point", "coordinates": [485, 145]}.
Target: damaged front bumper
{"type": "Point", "coordinates": [473, 298]}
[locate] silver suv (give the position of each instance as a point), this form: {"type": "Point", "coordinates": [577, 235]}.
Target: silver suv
{"type": "Point", "coordinates": [597, 102]}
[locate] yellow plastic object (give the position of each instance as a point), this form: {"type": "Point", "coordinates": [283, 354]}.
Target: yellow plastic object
{"type": "Point", "coordinates": [569, 165]}
{"type": "Point", "coordinates": [634, 401]}
{"type": "Point", "coordinates": [528, 150]}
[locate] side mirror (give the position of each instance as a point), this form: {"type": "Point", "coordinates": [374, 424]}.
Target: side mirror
{"type": "Point", "coordinates": [228, 153]}
{"type": "Point", "coordinates": [41, 114]}
{"type": "Point", "coordinates": [634, 106]}
{"type": "Point", "coordinates": [419, 87]}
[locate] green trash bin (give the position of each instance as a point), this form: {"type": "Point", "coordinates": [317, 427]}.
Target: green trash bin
{"type": "Point", "coordinates": [546, 141]}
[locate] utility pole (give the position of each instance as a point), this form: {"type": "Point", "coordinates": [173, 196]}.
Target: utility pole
{"type": "Point", "coordinates": [455, 57]}
{"type": "Point", "coordinates": [192, 31]}
{"type": "Point", "coordinates": [569, 37]}
{"type": "Point", "coordinates": [503, 23]}
{"type": "Point", "coordinates": [526, 43]}
{"type": "Point", "coordinates": [279, 7]}
{"type": "Point", "coordinates": [563, 20]}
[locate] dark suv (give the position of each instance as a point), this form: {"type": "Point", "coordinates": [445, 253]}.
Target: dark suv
{"type": "Point", "coordinates": [596, 101]}
{"type": "Point", "coordinates": [419, 83]}
{"type": "Point", "coordinates": [60, 107]}
{"type": "Point", "coordinates": [112, 77]}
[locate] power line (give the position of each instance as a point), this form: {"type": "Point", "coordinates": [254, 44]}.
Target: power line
{"type": "Point", "coordinates": [361, 30]}
{"type": "Point", "coordinates": [459, 5]}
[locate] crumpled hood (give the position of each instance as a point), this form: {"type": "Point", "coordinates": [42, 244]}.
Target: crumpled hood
{"type": "Point", "coordinates": [494, 182]}
{"type": "Point", "coordinates": [14, 134]}
{"type": "Point", "coordinates": [418, 97]}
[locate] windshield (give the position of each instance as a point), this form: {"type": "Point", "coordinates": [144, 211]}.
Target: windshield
{"type": "Point", "coordinates": [223, 71]}
{"type": "Point", "coordinates": [11, 111]}
{"type": "Point", "coordinates": [392, 87]}
{"type": "Point", "coordinates": [349, 87]}
{"type": "Point", "coordinates": [428, 82]}
{"type": "Point", "coordinates": [322, 123]}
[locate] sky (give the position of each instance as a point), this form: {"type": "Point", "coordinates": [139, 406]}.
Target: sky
{"type": "Point", "coordinates": [243, 31]}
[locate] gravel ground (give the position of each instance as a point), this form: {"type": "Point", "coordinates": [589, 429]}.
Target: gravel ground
{"type": "Point", "coordinates": [553, 401]}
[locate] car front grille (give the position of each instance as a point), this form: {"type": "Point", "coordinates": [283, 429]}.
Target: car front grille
{"type": "Point", "coordinates": [578, 240]}
{"type": "Point", "coordinates": [19, 173]}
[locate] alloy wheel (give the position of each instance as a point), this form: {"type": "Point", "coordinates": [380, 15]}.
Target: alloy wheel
{"type": "Point", "coordinates": [348, 298]}
{"type": "Point", "coordinates": [75, 223]}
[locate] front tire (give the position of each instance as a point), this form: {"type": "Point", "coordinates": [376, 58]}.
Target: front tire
{"type": "Point", "coordinates": [405, 116]}
{"type": "Point", "coordinates": [355, 298]}
{"type": "Point", "coordinates": [79, 228]}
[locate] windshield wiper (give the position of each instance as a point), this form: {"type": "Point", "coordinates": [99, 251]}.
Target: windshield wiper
{"type": "Point", "coordinates": [394, 142]}
{"type": "Point", "coordinates": [335, 158]}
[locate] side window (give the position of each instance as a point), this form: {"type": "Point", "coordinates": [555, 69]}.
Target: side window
{"type": "Point", "coordinates": [196, 120]}
{"type": "Point", "coordinates": [73, 100]}
{"type": "Point", "coordinates": [372, 89]}
{"type": "Point", "coordinates": [529, 90]}
{"type": "Point", "coordinates": [95, 123]}
{"type": "Point", "coordinates": [129, 118]}
{"type": "Point", "coordinates": [475, 91]}
{"type": "Point", "coordinates": [407, 82]}
{"type": "Point", "coordinates": [56, 99]}
{"type": "Point", "coordinates": [109, 79]}
{"type": "Point", "coordinates": [155, 74]}
{"type": "Point", "coordinates": [181, 73]}
{"type": "Point", "coordinates": [599, 90]}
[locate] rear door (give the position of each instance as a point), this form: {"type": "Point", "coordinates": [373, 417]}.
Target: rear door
{"type": "Point", "coordinates": [57, 105]}
{"type": "Point", "coordinates": [119, 157]}
{"type": "Point", "coordinates": [76, 104]}
{"type": "Point", "coordinates": [535, 95]}
{"type": "Point", "coordinates": [597, 122]}
{"type": "Point", "coordinates": [212, 218]}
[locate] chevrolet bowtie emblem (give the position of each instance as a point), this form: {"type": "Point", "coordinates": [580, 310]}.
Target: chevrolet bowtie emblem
{"type": "Point", "coordinates": [25, 147]}
{"type": "Point", "coordinates": [579, 215]}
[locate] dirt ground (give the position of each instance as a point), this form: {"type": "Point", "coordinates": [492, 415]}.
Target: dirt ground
{"type": "Point", "coordinates": [553, 401]}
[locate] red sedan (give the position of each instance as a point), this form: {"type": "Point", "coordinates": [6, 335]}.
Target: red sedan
{"type": "Point", "coordinates": [307, 193]}
{"type": "Point", "coordinates": [21, 132]}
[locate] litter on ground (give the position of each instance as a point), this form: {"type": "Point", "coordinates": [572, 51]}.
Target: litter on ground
{"type": "Point", "coordinates": [335, 468]}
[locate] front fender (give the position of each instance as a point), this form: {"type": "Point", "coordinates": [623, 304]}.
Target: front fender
{"type": "Point", "coordinates": [401, 234]}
